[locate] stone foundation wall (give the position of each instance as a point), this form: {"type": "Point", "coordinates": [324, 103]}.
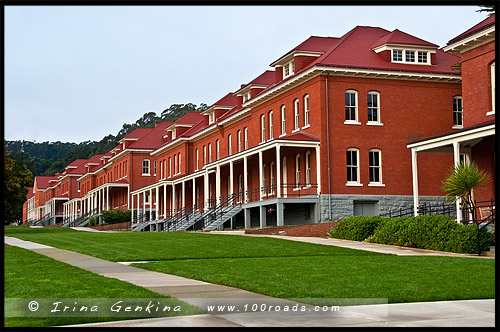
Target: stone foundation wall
{"type": "Point", "coordinates": [343, 205]}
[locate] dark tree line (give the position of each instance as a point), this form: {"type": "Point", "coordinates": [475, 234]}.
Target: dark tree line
{"type": "Point", "coordinates": [48, 158]}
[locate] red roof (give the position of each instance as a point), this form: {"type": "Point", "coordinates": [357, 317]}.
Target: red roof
{"type": "Point", "coordinates": [190, 118]}
{"type": "Point", "coordinates": [228, 100]}
{"type": "Point", "coordinates": [300, 136]}
{"type": "Point", "coordinates": [153, 139]}
{"type": "Point", "coordinates": [313, 44]}
{"type": "Point", "coordinates": [484, 24]}
{"type": "Point", "coordinates": [266, 78]}
{"type": "Point", "coordinates": [354, 50]}
{"type": "Point", "coordinates": [30, 193]}
{"type": "Point", "coordinates": [42, 182]}
{"type": "Point", "coordinates": [402, 38]}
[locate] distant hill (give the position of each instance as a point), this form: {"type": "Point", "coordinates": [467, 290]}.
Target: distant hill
{"type": "Point", "coordinates": [48, 158]}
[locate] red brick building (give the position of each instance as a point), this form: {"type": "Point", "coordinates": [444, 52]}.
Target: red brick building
{"type": "Point", "coordinates": [473, 133]}
{"type": "Point", "coordinates": [321, 136]}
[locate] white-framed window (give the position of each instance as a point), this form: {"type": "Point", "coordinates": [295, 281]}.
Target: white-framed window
{"type": "Point", "coordinates": [239, 140]}
{"type": "Point", "coordinates": [169, 166]}
{"type": "Point", "coordinates": [458, 112]}
{"type": "Point", "coordinates": [375, 166]}
{"type": "Point", "coordinates": [161, 169]}
{"type": "Point", "coordinates": [245, 133]}
{"type": "Point", "coordinates": [179, 164]}
{"type": "Point", "coordinates": [397, 55]}
{"type": "Point", "coordinates": [297, 171]}
{"type": "Point", "coordinates": [411, 56]}
{"type": "Point", "coordinates": [492, 70]}
{"type": "Point", "coordinates": [264, 178]}
{"type": "Point", "coordinates": [296, 114]}
{"type": "Point", "coordinates": [204, 154]}
{"type": "Point", "coordinates": [271, 132]}
{"type": "Point", "coordinates": [175, 164]}
{"type": "Point", "coordinates": [422, 57]}
{"type": "Point", "coordinates": [230, 144]}
{"type": "Point", "coordinates": [352, 163]}
{"type": "Point", "coordinates": [373, 107]}
{"type": "Point", "coordinates": [246, 96]}
{"type": "Point", "coordinates": [308, 168]}
{"type": "Point", "coordinates": [145, 167]}
{"type": "Point", "coordinates": [288, 69]}
{"type": "Point", "coordinates": [283, 120]}
{"type": "Point", "coordinates": [306, 111]}
{"type": "Point", "coordinates": [209, 152]}
{"type": "Point", "coordinates": [262, 128]}
{"type": "Point", "coordinates": [271, 177]}
{"type": "Point", "coordinates": [351, 106]}
{"type": "Point", "coordinates": [211, 118]}
{"type": "Point", "coordinates": [78, 186]}
{"type": "Point", "coordinates": [197, 154]}
{"type": "Point", "coordinates": [240, 187]}
{"type": "Point", "coordinates": [154, 167]}
{"type": "Point", "coordinates": [217, 149]}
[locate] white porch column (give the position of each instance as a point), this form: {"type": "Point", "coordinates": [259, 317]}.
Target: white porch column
{"type": "Point", "coordinates": [245, 180]}
{"type": "Point", "coordinates": [107, 198]}
{"type": "Point", "coordinates": [217, 185]}
{"type": "Point", "coordinates": [183, 194]}
{"type": "Point", "coordinates": [150, 204]}
{"type": "Point", "coordinates": [157, 202]}
{"type": "Point", "coordinates": [231, 181]}
{"type": "Point", "coordinates": [456, 159]}
{"type": "Point", "coordinates": [194, 193]}
{"type": "Point", "coordinates": [205, 191]}
{"type": "Point", "coordinates": [278, 173]}
{"type": "Point", "coordinates": [318, 169]}
{"type": "Point", "coordinates": [164, 200]}
{"type": "Point", "coordinates": [414, 173]}
{"type": "Point", "coordinates": [174, 199]}
{"type": "Point", "coordinates": [138, 205]}
{"type": "Point", "coordinates": [144, 206]}
{"type": "Point", "coordinates": [131, 207]}
{"type": "Point", "coordinates": [261, 177]}
{"type": "Point", "coordinates": [128, 196]}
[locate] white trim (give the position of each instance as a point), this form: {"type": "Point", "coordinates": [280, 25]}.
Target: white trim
{"type": "Point", "coordinates": [374, 124]}
{"type": "Point", "coordinates": [305, 127]}
{"type": "Point", "coordinates": [477, 39]}
{"type": "Point", "coordinates": [349, 122]}
{"type": "Point", "coordinates": [353, 184]}
{"type": "Point", "coordinates": [376, 185]}
{"type": "Point", "coordinates": [456, 137]}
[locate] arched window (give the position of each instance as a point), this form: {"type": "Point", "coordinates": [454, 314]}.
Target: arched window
{"type": "Point", "coordinates": [262, 128]}
{"type": "Point", "coordinates": [351, 106]}
{"type": "Point", "coordinates": [352, 163]}
{"type": "Point", "coordinates": [306, 111]}
{"type": "Point", "coordinates": [296, 114]}
{"type": "Point", "coordinates": [375, 166]}
{"type": "Point", "coordinates": [271, 133]}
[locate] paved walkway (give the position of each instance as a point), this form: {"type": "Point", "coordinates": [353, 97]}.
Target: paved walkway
{"type": "Point", "coordinates": [374, 247]}
{"type": "Point", "coordinates": [445, 313]}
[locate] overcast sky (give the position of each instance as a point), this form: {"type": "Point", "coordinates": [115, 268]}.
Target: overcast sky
{"type": "Point", "coordinates": [75, 73]}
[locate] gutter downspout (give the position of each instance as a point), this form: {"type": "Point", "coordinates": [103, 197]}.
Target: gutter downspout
{"type": "Point", "coordinates": [328, 147]}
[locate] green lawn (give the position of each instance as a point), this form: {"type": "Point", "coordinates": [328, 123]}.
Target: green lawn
{"type": "Point", "coordinates": [283, 268]}
{"type": "Point", "coordinates": [35, 276]}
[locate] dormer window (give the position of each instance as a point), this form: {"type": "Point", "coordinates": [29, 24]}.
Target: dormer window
{"type": "Point", "coordinates": [211, 118]}
{"type": "Point", "coordinates": [410, 56]}
{"type": "Point", "coordinates": [288, 69]}
{"type": "Point", "coordinates": [246, 96]}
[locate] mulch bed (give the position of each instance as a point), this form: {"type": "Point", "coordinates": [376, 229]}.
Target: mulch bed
{"type": "Point", "coordinates": [110, 227]}
{"type": "Point", "coordinates": [312, 230]}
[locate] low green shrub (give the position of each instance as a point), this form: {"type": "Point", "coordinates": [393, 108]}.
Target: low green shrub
{"type": "Point", "coordinates": [431, 232]}
{"type": "Point", "coordinates": [92, 221]}
{"type": "Point", "coordinates": [356, 228]}
{"type": "Point", "coordinates": [116, 216]}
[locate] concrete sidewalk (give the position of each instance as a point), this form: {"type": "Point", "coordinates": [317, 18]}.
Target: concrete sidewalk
{"type": "Point", "coordinates": [367, 246]}
{"type": "Point", "coordinates": [199, 293]}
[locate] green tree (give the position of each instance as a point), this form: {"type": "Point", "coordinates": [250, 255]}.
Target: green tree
{"type": "Point", "coordinates": [464, 178]}
{"type": "Point", "coordinates": [490, 9]}
{"type": "Point", "coordinates": [17, 177]}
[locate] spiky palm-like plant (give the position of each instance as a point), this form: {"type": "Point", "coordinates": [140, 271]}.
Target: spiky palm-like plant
{"type": "Point", "coordinates": [463, 179]}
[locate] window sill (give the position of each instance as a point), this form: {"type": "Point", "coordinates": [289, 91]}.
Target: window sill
{"type": "Point", "coordinates": [376, 185]}
{"type": "Point", "coordinates": [457, 127]}
{"type": "Point", "coordinates": [374, 124]}
{"type": "Point", "coordinates": [353, 184]}
{"type": "Point", "coordinates": [282, 135]}
{"type": "Point", "coordinates": [296, 189]}
{"type": "Point", "coordinates": [146, 174]}
{"type": "Point", "coordinates": [295, 130]}
{"type": "Point", "coordinates": [306, 187]}
{"type": "Point", "coordinates": [352, 123]}
{"type": "Point", "coordinates": [307, 126]}
{"type": "Point", "coordinates": [490, 113]}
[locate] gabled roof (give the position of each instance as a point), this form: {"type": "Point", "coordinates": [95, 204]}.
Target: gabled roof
{"type": "Point", "coordinates": [190, 118]}
{"type": "Point", "coordinates": [265, 78]}
{"type": "Point", "coordinates": [402, 38]}
{"type": "Point", "coordinates": [486, 23]}
{"type": "Point", "coordinates": [354, 50]}
{"type": "Point", "coordinates": [153, 139]}
{"type": "Point", "coordinates": [229, 100]}
{"type": "Point", "coordinates": [42, 182]}
{"type": "Point", "coordinates": [30, 193]}
{"type": "Point", "coordinates": [311, 44]}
